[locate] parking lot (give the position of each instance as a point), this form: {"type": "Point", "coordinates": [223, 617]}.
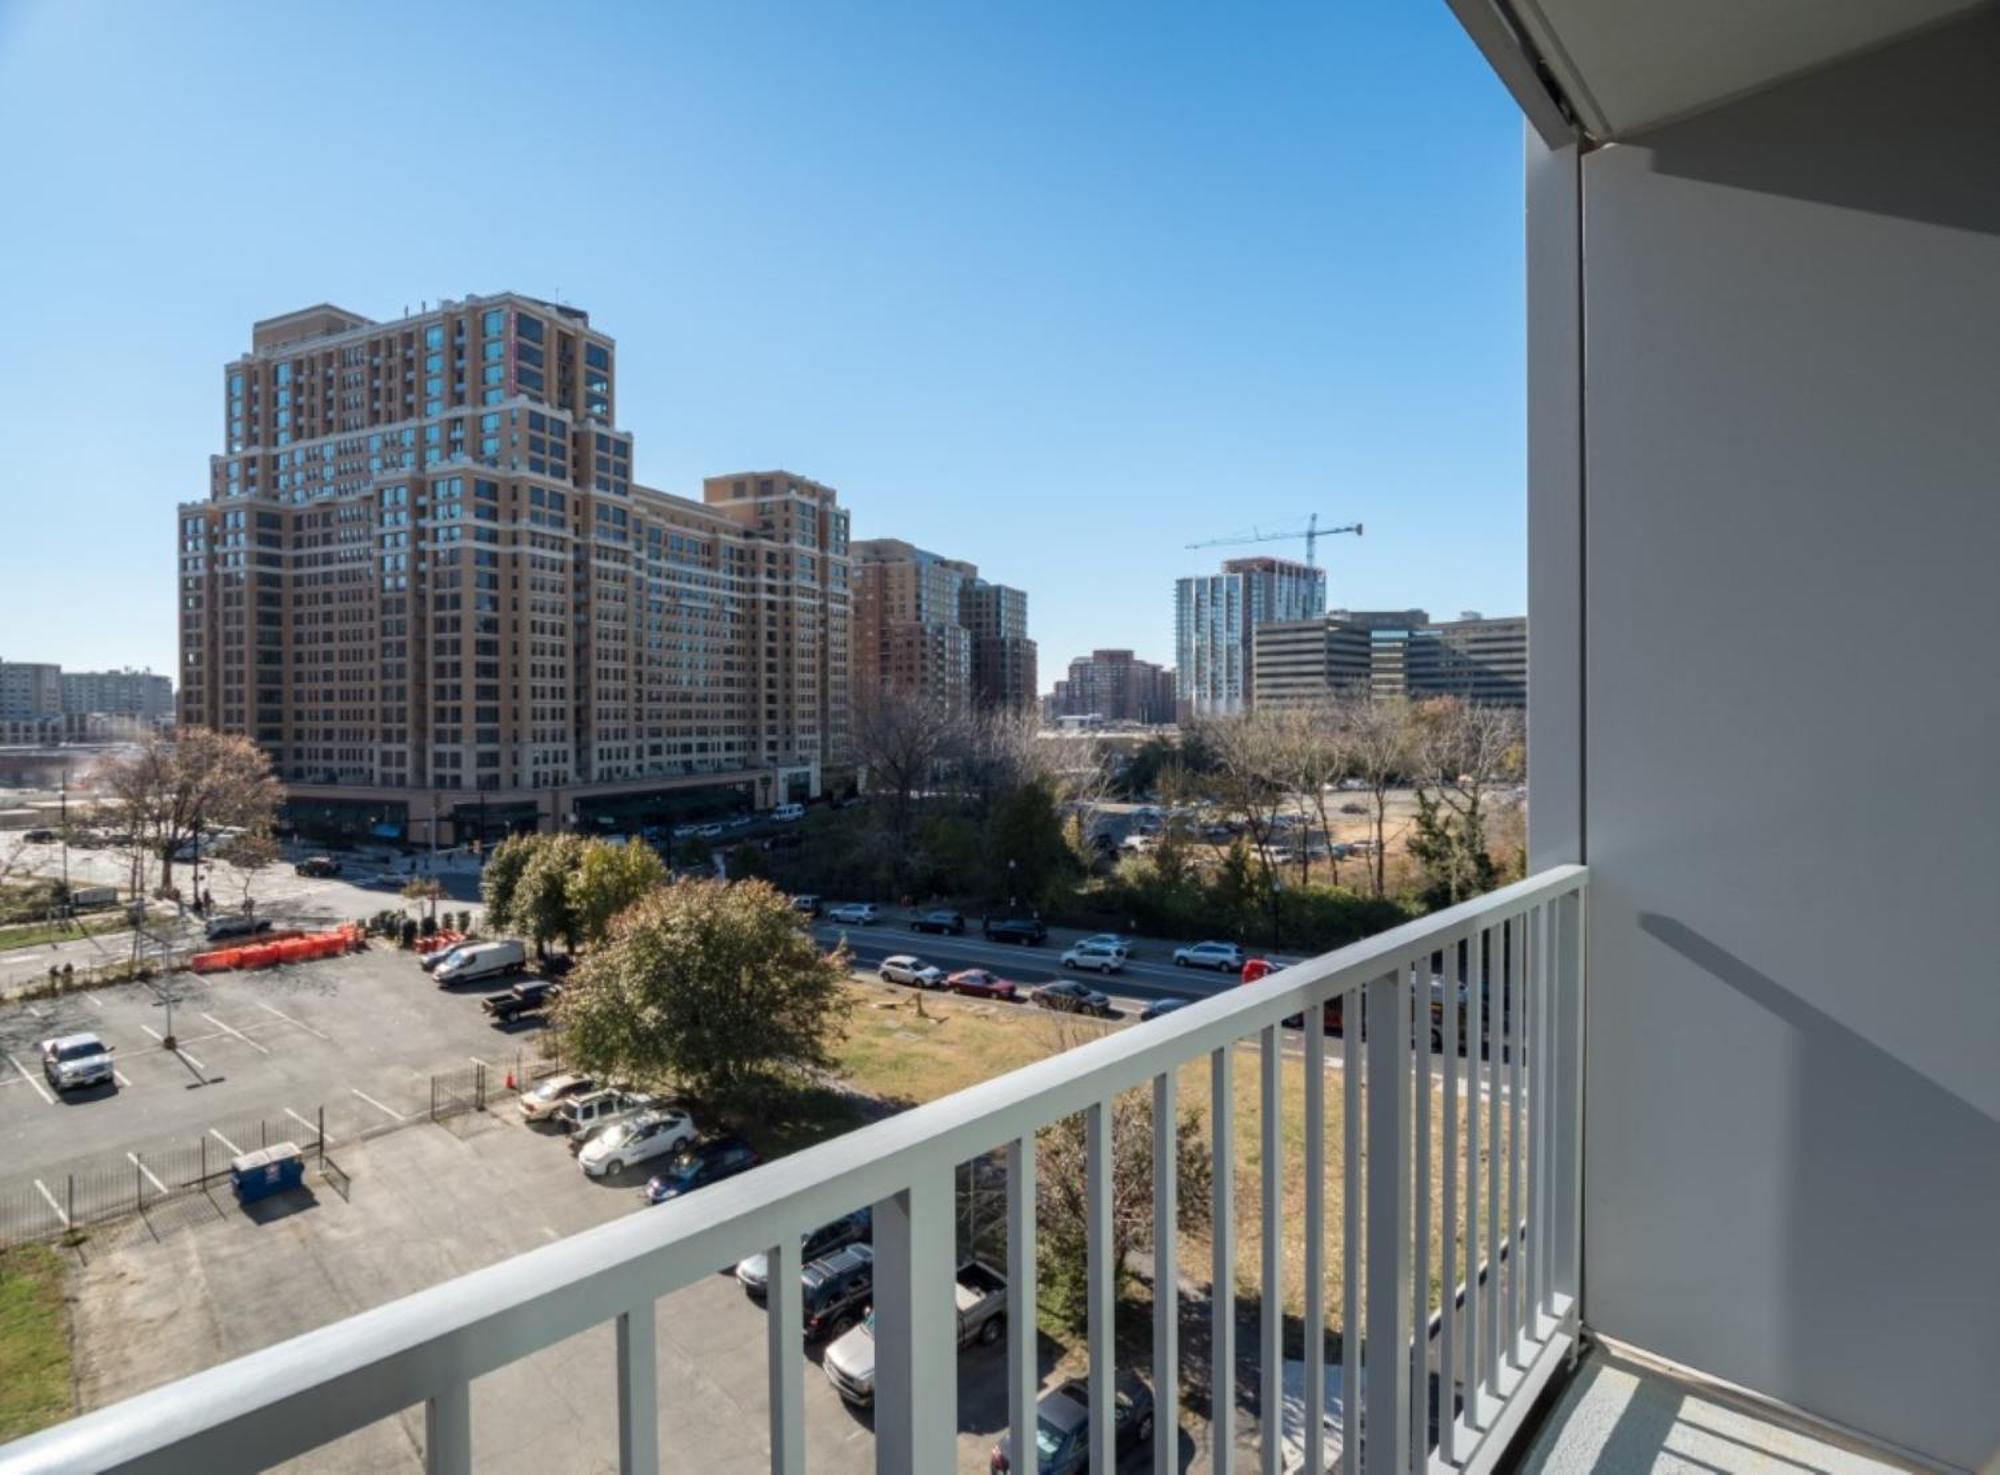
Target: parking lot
{"type": "Point", "coordinates": [358, 1038]}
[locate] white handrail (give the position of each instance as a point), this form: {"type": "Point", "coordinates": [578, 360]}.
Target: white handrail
{"type": "Point", "coordinates": [279, 1402]}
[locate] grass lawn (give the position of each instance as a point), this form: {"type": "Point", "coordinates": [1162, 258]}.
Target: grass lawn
{"type": "Point", "coordinates": [34, 934]}
{"type": "Point", "coordinates": [34, 1341]}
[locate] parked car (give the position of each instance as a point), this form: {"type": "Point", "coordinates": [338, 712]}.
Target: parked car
{"type": "Point", "coordinates": [981, 1300]}
{"type": "Point", "coordinates": [700, 1165]}
{"type": "Point", "coordinates": [810, 905]}
{"type": "Point", "coordinates": [540, 1102]}
{"type": "Point", "coordinates": [1062, 1427]}
{"type": "Point", "coordinates": [584, 1116]}
{"type": "Point", "coordinates": [637, 1139]}
{"type": "Point", "coordinates": [753, 1272]}
{"type": "Point", "coordinates": [910, 969]}
{"type": "Point", "coordinates": [72, 1062]}
{"type": "Point", "coordinates": [855, 913]}
{"type": "Point", "coordinates": [1071, 997]}
{"type": "Point", "coordinates": [942, 921]}
{"type": "Point", "coordinates": [318, 865]}
{"type": "Point", "coordinates": [481, 960]}
{"type": "Point", "coordinates": [836, 1289]}
{"type": "Point", "coordinates": [708, 831]}
{"type": "Point", "coordinates": [784, 814]}
{"type": "Point", "coordinates": [979, 984]}
{"type": "Point", "coordinates": [39, 837]}
{"type": "Point", "coordinates": [1223, 957]}
{"type": "Point", "coordinates": [1025, 930]}
{"type": "Point", "coordinates": [222, 929]}
{"type": "Point", "coordinates": [523, 998]}
{"type": "Point", "coordinates": [1159, 1008]}
{"type": "Point", "coordinates": [1097, 956]}
{"type": "Point", "coordinates": [430, 962]}
{"type": "Point", "coordinates": [1109, 939]}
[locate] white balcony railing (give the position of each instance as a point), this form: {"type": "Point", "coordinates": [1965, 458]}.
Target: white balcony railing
{"type": "Point", "coordinates": [1443, 1389]}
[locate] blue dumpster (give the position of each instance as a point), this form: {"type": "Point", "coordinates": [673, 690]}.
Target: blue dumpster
{"type": "Point", "coordinates": [269, 1170]}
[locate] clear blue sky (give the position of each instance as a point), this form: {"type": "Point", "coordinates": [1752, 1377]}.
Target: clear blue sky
{"type": "Point", "coordinates": [1057, 288]}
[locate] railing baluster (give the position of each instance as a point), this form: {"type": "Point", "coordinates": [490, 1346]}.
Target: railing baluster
{"type": "Point", "coordinates": [1023, 1371]}
{"type": "Point", "coordinates": [1494, 964]}
{"type": "Point", "coordinates": [1388, 1395]}
{"type": "Point", "coordinates": [1315, 1329]}
{"type": "Point", "coordinates": [1352, 1229]}
{"type": "Point", "coordinates": [1453, 970]}
{"type": "Point", "coordinates": [784, 1329]}
{"type": "Point", "coordinates": [1271, 1303]}
{"type": "Point", "coordinates": [1517, 961]}
{"type": "Point", "coordinates": [1545, 1080]}
{"type": "Point", "coordinates": [1222, 1273]}
{"type": "Point", "coordinates": [1569, 1090]}
{"type": "Point", "coordinates": [916, 1328]}
{"type": "Point", "coordinates": [448, 1430]}
{"type": "Point", "coordinates": [1420, 975]}
{"type": "Point", "coordinates": [1102, 1281]}
{"type": "Point", "coordinates": [638, 1388]}
{"type": "Point", "coordinates": [1474, 971]}
{"type": "Point", "coordinates": [1531, 1049]}
{"type": "Point", "coordinates": [1166, 1277]}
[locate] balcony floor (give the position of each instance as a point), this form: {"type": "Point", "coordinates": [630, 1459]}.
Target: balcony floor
{"type": "Point", "coordinates": [1621, 1416]}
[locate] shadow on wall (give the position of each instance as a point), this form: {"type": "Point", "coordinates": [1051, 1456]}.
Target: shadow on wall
{"type": "Point", "coordinates": [1926, 1145]}
{"type": "Point", "coordinates": [1920, 112]}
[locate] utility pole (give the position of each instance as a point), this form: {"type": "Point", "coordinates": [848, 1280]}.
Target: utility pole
{"type": "Point", "coordinates": [65, 834]}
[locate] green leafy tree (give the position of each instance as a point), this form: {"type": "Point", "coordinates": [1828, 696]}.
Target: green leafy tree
{"type": "Point", "coordinates": [711, 986]}
{"type": "Point", "coordinates": [607, 879]}
{"type": "Point", "coordinates": [694, 853]}
{"type": "Point", "coordinates": [1029, 851]}
{"type": "Point", "coordinates": [502, 876]}
{"type": "Point", "coordinates": [542, 907]}
{"type": "Point", "coordinates": [748, 863]}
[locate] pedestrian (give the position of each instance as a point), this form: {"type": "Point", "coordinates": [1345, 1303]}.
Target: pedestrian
{"type": "Point", "coordinates": [207, 903]}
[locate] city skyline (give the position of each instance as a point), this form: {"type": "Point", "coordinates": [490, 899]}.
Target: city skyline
{"type": "Point", "coordinates": [1045, 338]}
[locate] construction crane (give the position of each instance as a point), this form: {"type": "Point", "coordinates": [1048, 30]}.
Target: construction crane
{"type": "Point", "coordinates": [1312, 533]}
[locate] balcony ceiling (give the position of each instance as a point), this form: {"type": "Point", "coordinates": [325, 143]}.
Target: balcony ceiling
{"type": "Point", "coordinates": [1627, 65]}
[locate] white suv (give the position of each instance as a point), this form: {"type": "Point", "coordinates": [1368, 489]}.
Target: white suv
{"type": "Point", "coordinates": [1102, 957]}
{"type": "Point", "coordinates": [910, 969]}
{"type": "Point", "coordinates": [1224, 957]}
{"type": "Point", "coordinates": [855, 913]}
{"type": "Point", "coordinates": [75, 1061]}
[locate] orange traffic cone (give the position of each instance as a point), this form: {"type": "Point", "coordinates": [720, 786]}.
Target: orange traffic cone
{"type": "Point", "coordinates": [510, 1080]}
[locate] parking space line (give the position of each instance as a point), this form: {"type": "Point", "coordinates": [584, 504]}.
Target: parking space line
{"type": "Point", "coordinates": [314, 1126]}
{"type": "Point", "coordinates": [39, 1015]}
{"type": "Point", "coordinates": [227, 1029]}
{"type": "Point", "coordinates": [486, 1064]}
{"type": "Point", "coordinates": [133, 1158]}
{"type": "Point", "coordinates": [31, 1081]}
{"type": "Point", "coordinates": [288, 1019]}
{"type": "Point", "coordinates": [52, 1202]}
{"type": "Point", "coordinates": [192, 1061]}
{"type": "Point", "coordinates": [94, 1001]}
{"type": "Point", "coordinates": [119, 1076]}
{"type": "Point", "coordinates": [234, 1150]}
{"type": "Point", "coordinates": [151, 1031]}
{"type": "Point", "coordinates": [378, 1105]}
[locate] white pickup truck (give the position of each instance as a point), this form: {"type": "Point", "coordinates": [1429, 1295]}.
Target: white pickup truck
{"type": "Point", "coordinates": [981, 1294]}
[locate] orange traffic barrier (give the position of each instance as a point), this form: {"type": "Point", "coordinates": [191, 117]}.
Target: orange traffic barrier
{"type": "Point", "coordinates": [286, 947]}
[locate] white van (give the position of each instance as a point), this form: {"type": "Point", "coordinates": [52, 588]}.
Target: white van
{"type": "Point", "coordinates": [482, 960]}
{"type": "Point", "coordinates": [785, 813]}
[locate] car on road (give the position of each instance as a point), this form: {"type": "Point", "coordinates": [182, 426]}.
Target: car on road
{"type": "Point", "coordinates": [1223, 957]}
{"type": "Point", "coordinates": [1096, 956]}
{"type": "Point", "coordinates": [637, 1139]}
{"type": "Point", "coordinates": [809, 905]}
{"type": "Point", "coordinates": [753, 1272]}
{"type": "Point", "coordinates": [836, 1289]}
{"type": "Point", "coordinates": [481, 960]}
{"type": "Point", "coordinates": [786, 814]}
{"type": "Point", "coordinates": [1027, 931]}
{"type": "Point", "coordinates": [910, 969]}
{"type": "Point", "coordinates": [855, 913]}
{"type": "Point", "coordinates": [523, 998]}
{"type": "Point", "coordinates": [709, 831]}
{"type": "Point", "coordinates": [701, 1164]}
{"type": "Point", "coordinates": [1071, 997]}
{"type": "Point", "coordinates": [541, 1101]}
{"type": "Point", "coordinates": [980, 1297]}
{"type": "Point", "coordinates": [224, 928]}
{"type": "Point", "coordinates": [978, 983]}
{"type": "Point", "coordinates": [72, 1062]}
{"type": "Point", "coordinates": [39, 837]}
{"type": "Point", "coordinates": [940, 921]}
{"type": "Point", "coordinates": [317, 865]}
{"type": "Point", "coordinates": [1062, 1427]}
{"type": "Point", "coordinates": [1160, 1008]}
{"type": "Point", "coordinates": [1110, 939]}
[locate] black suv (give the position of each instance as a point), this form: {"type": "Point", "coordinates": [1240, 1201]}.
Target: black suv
{"type": "Point", "coordinates": [1027, 930]}
{"type": "Point", "coordinates": [837, 1290]}
{"type": "Point", "coordinates": [939, 921]}
{"type": "Point", "coordinates": [318, 865]}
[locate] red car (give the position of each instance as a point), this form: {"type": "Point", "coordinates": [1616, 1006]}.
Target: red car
{"type": "Point", "coordinates": [980, 984]}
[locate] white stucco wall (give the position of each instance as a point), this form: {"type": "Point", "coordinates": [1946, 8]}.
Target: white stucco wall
{"type": "Point", "coordinates": [1788, 511]}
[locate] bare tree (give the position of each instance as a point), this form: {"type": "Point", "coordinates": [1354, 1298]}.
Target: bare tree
{"type": "Point", "coordinates": [1459, 752]}
{"type": "Point", "coordinates": [900, 740]}
{"type": "Point", "coordinates": [169, 790]}
{"type": "Point", "coordinates": [1314, 742]}
{"type": "Point", "coordinates": [249, 855]}
{"type": "Point", "coordinates": [1252, 780]}
{"type": "Point", "coordinates": [1376, 734]}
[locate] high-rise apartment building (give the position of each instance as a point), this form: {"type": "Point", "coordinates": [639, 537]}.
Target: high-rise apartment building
{"type": "Point", "coordinates": [1117, 686]}
{"type": "Point", "coordinates": [1215, 620]}
{"type": "Point", "coordinates": [1392, 653]}
{"type": "Point", "coordinates": [425, 581]}
{"type": "Point", "coordinates": [928, 625]}
{"type": "Point", "coordinates": [30, 690]}
{"type": "Point", "coordinates": [126, 693]}
{"type": "Point", "coordinates": [1003, 657]}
